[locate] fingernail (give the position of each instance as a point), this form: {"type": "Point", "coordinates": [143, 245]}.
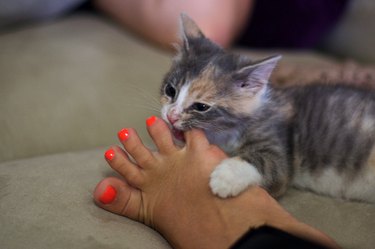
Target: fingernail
{"type": "Point", "coordinates": [151, 120]}
{"type": "Point", "coordinates": [123, 134]}
{"type": "Point", "coordinates": [109, 154]}
{"type": "Point", "coordinates": [108, 195]}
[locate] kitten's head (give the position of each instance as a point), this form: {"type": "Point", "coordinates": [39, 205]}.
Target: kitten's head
{"type": "Point", "coordinates": [208, 88]}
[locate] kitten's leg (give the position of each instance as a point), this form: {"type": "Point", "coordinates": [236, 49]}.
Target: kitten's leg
{"type": "Point", "coordinates": [232, 176]}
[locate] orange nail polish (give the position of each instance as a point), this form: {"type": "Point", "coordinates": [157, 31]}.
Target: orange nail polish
{"type": "Point", "coordinates": [123, 134]}
{"type": "Point", "coordinates": [109, 154]}
{"type": "Point", "coordinates": [108, 195]}
{"type": "Point", "coordinates": [151, 120]}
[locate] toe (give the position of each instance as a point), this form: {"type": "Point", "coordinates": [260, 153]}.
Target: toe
{"type": "Point", "coordinates": [196, 139]}
{"type": "Point", "coordinates": [120, 162]}
{"type": "Point", "coordinates": [160, 134]}
{"type": "Point", "coordinates": [116, 196]}
{"type": "Point", "coordinates": [134, 146]}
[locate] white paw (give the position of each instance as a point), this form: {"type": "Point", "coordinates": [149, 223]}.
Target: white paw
{"type": "Point", "coordinates": [232, 176]}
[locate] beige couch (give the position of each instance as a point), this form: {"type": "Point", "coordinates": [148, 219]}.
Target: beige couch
{"type": "Point", "coordinates": [66, 88]}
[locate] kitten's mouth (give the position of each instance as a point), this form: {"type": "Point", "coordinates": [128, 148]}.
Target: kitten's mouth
{"type": "Point", "coordinates": [178, 134]}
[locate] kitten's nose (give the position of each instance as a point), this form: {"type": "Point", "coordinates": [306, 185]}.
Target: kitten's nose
{"type": "Point", "coordinates": [172, 119]}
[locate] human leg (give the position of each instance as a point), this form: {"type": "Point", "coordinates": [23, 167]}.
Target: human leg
{"type": "Point", "coordinates": [157, 21]}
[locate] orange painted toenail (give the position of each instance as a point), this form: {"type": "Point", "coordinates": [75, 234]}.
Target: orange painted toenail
{"type": "Point", "coordinates": [151, 120]}
{"type": "Point", "coordinates": [123, 134]}
{"type": "Point", "coordinates": [109, 154]}
{"type": "Point", "coordinates": [108, 195]}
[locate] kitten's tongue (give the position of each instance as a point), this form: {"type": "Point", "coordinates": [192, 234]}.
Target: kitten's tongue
{"type": "Point", "coordinates": [179, 135]}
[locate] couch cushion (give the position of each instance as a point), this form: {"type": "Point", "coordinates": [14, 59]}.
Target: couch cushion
{"type": "Point", "coordinates": [354, 36]}
{"type": "Point", "coordinates": [46, 202]}
{"type": "Point", "coordinates": [71, 84]}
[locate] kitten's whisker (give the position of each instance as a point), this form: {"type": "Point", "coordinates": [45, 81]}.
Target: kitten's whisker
{"type": "Point", "coordinates": [148, 105]}
{"type": "Point", "coordinates": [133, 100]}
{"type": "Point", "coordinates": [144, 107]}
{"type": "Point", "coordinates": [146, 95]}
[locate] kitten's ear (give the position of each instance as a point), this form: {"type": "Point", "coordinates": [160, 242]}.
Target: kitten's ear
{"type": "Point", "coordinates": [257, 75]}
{"type": "Point", "coordinates": [189, 30]}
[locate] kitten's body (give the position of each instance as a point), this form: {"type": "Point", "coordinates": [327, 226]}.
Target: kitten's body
{"type": "Point", "coordinates": [315, 137]}
{"type": "Point", "coordinates": [320, 137]}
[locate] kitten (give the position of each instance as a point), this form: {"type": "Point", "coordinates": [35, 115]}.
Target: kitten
{"type": "Point", "coordinates": [316, 137]}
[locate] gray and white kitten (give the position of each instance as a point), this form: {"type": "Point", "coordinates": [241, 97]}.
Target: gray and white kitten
{"type": "Point", "coordinates": [316, 137]}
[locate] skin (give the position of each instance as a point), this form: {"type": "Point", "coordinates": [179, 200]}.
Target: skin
{"type": "Point", "coordinates": [168, 190]}
{"type": "Point", "coordinates": [157, 20]}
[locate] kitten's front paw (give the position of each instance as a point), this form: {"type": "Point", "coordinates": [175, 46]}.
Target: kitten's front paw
{"type": "Point", "coordinates": [232, 176]}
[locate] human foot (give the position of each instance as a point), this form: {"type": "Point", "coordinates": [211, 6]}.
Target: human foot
{"type": "Point", "coordinates": [161, 187]}
{"type": "Point", "coordinates": [169, 191]}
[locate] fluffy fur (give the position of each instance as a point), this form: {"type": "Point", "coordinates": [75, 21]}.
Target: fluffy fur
{"type": "Point", "coordinates": [315, 137]}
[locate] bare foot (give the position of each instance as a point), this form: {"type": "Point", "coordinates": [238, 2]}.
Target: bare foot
{"type": "Point", "coordinates": [168, 190]}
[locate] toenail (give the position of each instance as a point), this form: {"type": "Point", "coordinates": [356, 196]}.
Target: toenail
{"type": "Point", "coordinates": [108, 195]}
{"type": "Point", "coordinates": [151, 120]}
{"type": "Point", "coordinates": [123, 134]}
{"type": "Point", "coordinates": [109, 154]}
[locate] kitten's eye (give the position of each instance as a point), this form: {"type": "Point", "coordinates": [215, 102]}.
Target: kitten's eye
{"type": "Point", "coordinates": [200, 107]}
{"type": "Point", "coordinates": [170, 91]}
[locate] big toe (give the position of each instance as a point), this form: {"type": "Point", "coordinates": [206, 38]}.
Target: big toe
{"type": "Point", "coordinates": [116, 196]}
